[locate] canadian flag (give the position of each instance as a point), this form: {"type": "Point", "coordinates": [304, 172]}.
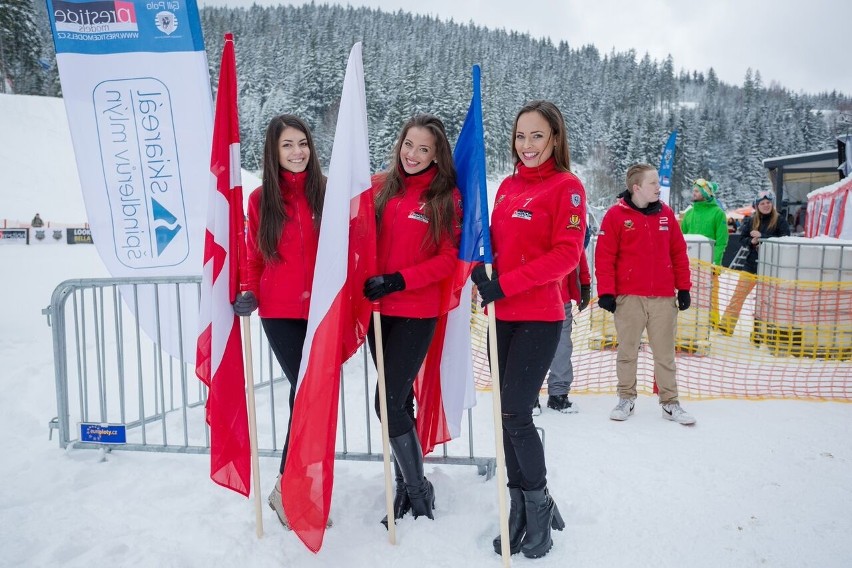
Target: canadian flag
{"type": "Point", "coordinates": [338, 317]}
{"type": "Point", "coordinates": [219, 358]}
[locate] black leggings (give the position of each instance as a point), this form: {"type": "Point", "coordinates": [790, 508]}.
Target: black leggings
{"type": "Point", "coordinates": [286, 337]}
{"type": "Point", "coordinates": [524, 352]}
{"type": "Point", "coordinates": [405, 342]}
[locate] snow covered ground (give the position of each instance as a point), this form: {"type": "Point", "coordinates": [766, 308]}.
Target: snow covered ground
{"type": "Point", "coordinates": [754, 483]}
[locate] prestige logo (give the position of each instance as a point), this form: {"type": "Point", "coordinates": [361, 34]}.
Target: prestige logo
{"type": "Point", "coordinates": [95, 17]}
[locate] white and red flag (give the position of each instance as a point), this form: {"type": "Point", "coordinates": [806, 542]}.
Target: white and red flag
{"type": "Point", "coordinates": [339, 313]}
{"type": "Point", "coordinates": [219, 357]}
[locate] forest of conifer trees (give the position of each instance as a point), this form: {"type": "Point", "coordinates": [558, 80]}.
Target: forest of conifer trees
{"type": "Point", "coordinates": [619, 106]}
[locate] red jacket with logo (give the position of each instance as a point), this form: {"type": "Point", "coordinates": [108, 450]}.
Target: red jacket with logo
{"type": "Point", "coordinates": [405, 245]}
{"type": "Point", "coordinates": [537, 230]}
{"type": "Point", "coordinates": [576, 278]}
{"type": "Point", "coordinates": [283, 286]}
{"type": "Point", "coordinates": [641, 253]}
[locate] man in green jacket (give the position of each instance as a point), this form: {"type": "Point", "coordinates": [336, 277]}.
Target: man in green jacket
{"type": "Point", "coordinates": [707, 218]}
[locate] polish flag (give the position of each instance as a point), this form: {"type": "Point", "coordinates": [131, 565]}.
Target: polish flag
{"type": "Point", "coordinates": [339, 314]}
{"type": "Point", "coordinates": [444, 388]}
{"type": "Point", "coordinates": [219, 356]}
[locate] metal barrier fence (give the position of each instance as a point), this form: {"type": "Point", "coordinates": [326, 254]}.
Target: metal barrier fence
{"type": "Point", "coordinates": [109, 371]}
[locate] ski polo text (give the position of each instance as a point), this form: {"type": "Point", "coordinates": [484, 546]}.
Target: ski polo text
{"type": "Point", "coordinates": [523, 214]}
{"type": "Point", "coordinates": [418, 216]}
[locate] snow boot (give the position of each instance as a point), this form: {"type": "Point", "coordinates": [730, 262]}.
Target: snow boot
{"type": "Point", "coordinates": [542, 515]}
{"type": "Point", "coordinates": [276, 504]}
{"type": "Point", "coordinates": [409, 456]}
{"type": "Point", "coordinates": [517, 522]}
{"type": "Point", "coordinates": [561, 403]}
{"type": "Point", "coordinates": [401, 502]}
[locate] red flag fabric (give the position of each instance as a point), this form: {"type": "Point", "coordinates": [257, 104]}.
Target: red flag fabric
{"type": "Point", "coordinates": [219, 357]}
{"type": "Point", "coordinates": [339, 314]}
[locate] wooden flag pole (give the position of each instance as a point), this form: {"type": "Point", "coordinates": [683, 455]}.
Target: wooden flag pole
{"type": "Point", "coordinates": [252, 416]}
{"type": "Point", "coordinates": [383, 414]}
{"type": "Point", "coordinates": [500, 454]}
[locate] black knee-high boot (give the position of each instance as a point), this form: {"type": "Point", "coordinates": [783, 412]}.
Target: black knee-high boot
{"type": "Point", "coordinates": [542, 514]}
{"type": "Point", "coordinates": [409, 456]}
{"type": "Point", "coordinates": [517, 522]}
{"type": "Point", "coordinates": [401, 502]}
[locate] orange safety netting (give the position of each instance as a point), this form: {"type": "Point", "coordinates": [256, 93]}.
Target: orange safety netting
{"type": "Point", "coordinates": [790, 339]}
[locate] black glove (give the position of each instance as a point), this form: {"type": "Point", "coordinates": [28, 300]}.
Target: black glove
{"type": "Point", "coordinates": [245, 304]}
{"type": "Point", "coordinates": [585, 296]}
{"type": "Point", "coordinates": [379, 286]}
{"type": "Point", "coordinates": [683, 300]}
{"type": "Point", "coordinates": [490, 291]}
{"type": "Point", "coordinates": [478, 276]}
{"type": "Point", "coordinates": [607, 302]}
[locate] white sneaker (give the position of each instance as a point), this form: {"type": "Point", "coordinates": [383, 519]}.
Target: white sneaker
{"type": "Point", "coordinates": [275, 503]}
{"type": "Point", "coordinates": [677, 414]}
{"type": "Point", "coordinates": [622, 410]}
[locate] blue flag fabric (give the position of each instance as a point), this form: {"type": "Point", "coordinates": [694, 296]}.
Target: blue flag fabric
{"type": "Point", "coordinates": [667, 164]}
{"type": "Point", "coordinates": [469, 158]}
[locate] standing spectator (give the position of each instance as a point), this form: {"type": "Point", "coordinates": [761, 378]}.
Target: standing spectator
{"type": "Point", "coordinates": [706, 218]}
{"type": "Point", "coordinates": [537, 230]}
{"type": "Point", "coordinates": [576, 286]}
{"type": "Point", "coordinates": [764, 223]}
{"type": "Point", "coordinates": [37, 222]}
{"type": "Point", "coordinates": [418, 208]}
{"type": "Point", "coordinates": [283, 233]}
{"type": "Point", "coordinates": [640, 261]}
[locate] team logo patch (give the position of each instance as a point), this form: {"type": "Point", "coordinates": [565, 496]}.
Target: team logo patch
{"type": "Point", "coordinates": [664, 220]}
{"type": "Point", "coordinates": [628, 225]}
{"type": "Point", "coordinates": [522, 214]}
{"type": "Point", "coordinates": [574, 222]}
{"type": "Point", "coordinates": [575, 200]}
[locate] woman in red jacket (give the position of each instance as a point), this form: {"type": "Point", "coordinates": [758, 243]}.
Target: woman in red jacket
{"type": "Point", "coordinates": [537, 230]}
{"type": "Point", "coordinates": [418, 211]}
{"type": "Point", "coordinates": [283, 231]}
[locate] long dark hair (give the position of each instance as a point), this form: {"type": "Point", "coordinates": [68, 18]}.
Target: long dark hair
{"type": "Point", "coordinates": [439, 197]}
{"type": "Point", "coordinates": [272, 212]}
{"type": "Point", "coordinates": [550, 113]}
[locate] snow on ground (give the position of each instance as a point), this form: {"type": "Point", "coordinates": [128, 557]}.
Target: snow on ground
{"type": "Point", "coordinates": [754, 483]}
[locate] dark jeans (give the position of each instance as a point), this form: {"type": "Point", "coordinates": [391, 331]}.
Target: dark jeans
{"type": "Point", "coordinates": [286, 337]}
{"type": "Point", "coordinates": [405, 342]}
{"type": "Point", "coordinates": [524, 352]}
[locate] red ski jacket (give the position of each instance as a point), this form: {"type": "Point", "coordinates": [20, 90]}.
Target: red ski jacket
{"type": "Point", "coordinates": [405, 245]}
{"type": "Point", "coordinates": [641, 253]}
{"type": "Point", "coordinates": [537, 230]}
{"type": "Point", "coordinates": [283, 286]}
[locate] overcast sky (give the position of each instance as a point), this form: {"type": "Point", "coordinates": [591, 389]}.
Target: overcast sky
{"type": "Point", "coordinates": [805, 46]}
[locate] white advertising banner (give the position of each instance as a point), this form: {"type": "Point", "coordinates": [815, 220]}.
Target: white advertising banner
{"type": "Point", "coordinates": [137, 93]}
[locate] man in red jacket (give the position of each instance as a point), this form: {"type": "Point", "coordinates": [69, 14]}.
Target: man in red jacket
{"type": "Point", "coordinates": [640, 260]}
{"type": "Point", "coordinates": [576, 286]}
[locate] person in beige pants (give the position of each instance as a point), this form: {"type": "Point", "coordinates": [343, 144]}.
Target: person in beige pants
{"type": "Point", "coordinates": [643, 278]}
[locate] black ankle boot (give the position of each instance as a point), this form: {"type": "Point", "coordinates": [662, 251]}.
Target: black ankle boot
{"type": "Point", "coordinates": [517, 522]}
{"type": "Point", "coordinates": [409, 456]}
{"type": "Point", "coordinates": [401, 502]}
{"type": "Point", "coordinates": [542, 515]}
